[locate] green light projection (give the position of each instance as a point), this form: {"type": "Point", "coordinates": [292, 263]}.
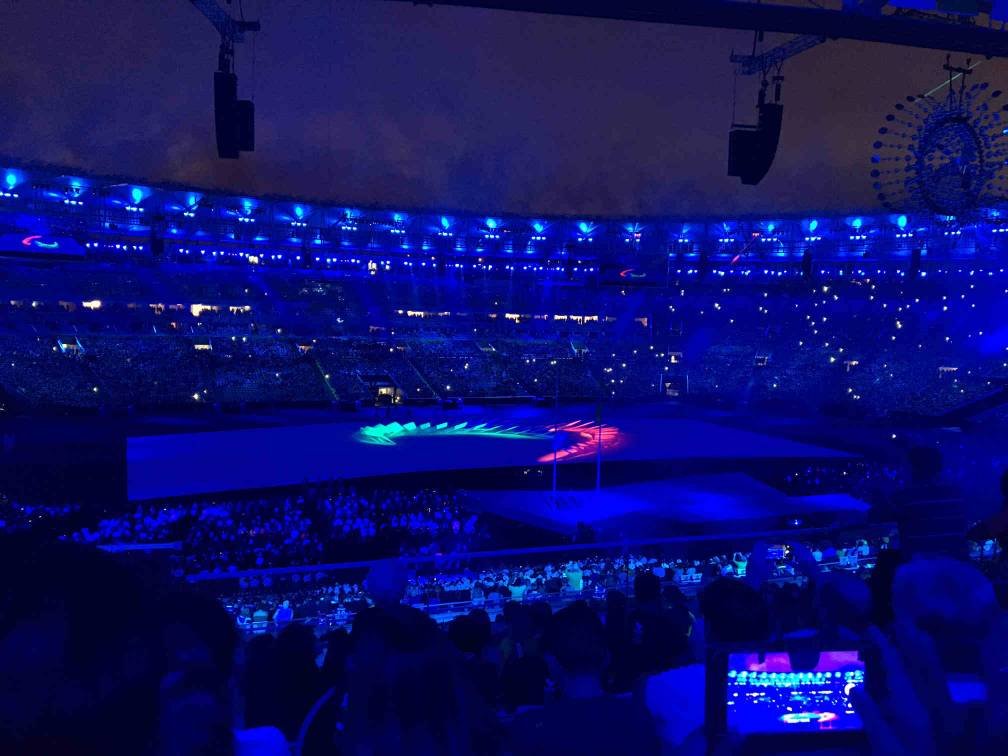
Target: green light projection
{"type": "Point", "coordinates": [386, 434]}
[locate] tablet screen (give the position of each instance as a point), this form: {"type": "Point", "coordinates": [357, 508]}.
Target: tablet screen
{"type": "Point", "coordinates": [765, 694]}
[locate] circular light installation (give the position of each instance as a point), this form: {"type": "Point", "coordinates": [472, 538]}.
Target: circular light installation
{"type": "Point", "coordinates": [943, 155]}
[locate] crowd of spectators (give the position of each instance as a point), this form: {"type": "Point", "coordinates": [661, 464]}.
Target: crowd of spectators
{"type": "Point", "coordinates": [460, 367]}
{"type": "Point", "coordinates": [632, 671]}
{"type": "Point", "coordinates": [868, 480]}
{"type": "Point", "coordinates": [16, 516]}
{"type": "Point", "coordinates": [317, 525]}
{"type": "Point", "coordinates": [585, 649]}
{"type": "Point", "coordinates": [325, 598]}
{"type": "Point", "coordinates": [863, 342]}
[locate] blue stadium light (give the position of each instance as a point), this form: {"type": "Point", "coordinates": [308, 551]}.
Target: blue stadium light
{"type": "Point", "coordinates": [901, 221]}
{"type": "Point", "coordinates": [11, 179]}
{"type": "Point", "coordinates": [137, 194]}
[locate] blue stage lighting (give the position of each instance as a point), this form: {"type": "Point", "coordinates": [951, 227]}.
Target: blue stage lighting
{"type": "Point", "coordinates": [857, 223]}
{"type": "Point", "coordinates": [813, 224]}
{"type": "Point", "coordinates": [491, 223]}
{"type": "Point", "coordinates": [191, 200]}
{"type": "Point", "coordinates": [770, 228]}
{"type": "Point", "coordinates": [538, 227]}
{"type": "Point", "coordinates": [298, 211]}
{"type": "Point", "coordinates": [11, 179]}
{"type": "Point", "coordinates": [583, 227]}
{"type": "Point", "coordinates": [445, 222]}
{"type": "Point", "coordinates": [901, 221]}
{"type": "Point", "coordinates": [397, 218]}
{"type": "Point", "coordinates": [137, 194]}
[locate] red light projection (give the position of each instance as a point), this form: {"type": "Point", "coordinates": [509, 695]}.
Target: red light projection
{"type": "Point", "coordinates": [583, 440]}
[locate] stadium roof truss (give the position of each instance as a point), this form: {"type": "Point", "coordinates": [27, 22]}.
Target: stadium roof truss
{"type": "Point", "coordinates": [965, 26]}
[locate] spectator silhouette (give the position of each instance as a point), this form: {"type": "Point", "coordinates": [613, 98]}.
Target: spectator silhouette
{"type": "Point", "coordinates": [583, 719]}
{"type": "Point", "coordinates": [658, 635]}
{"type": "Point", "coordinates": [928, 511]}
{"type": "Point", "coordinates": [298, 680]}
{"type": "Point", "coordinates": [79, 669]}
{"type": "Point", "coordinates": [995, 526]}
{"type": "Point", "coordinates": [733, 612]}
{"type": "Point", "coordinates": [407, 692]}
{"type": "Point", "coordinates": [470, 634]}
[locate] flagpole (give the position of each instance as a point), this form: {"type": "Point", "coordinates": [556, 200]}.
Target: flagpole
{"type": "Point", "coordinates": [598, 450]}
{"type": "Point", "coordinates": [556, 409]}
{"type": "Point", "coordinates": [554, 455]}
